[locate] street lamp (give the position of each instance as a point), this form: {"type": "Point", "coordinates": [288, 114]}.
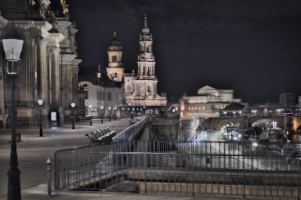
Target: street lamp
{"type": "Point", "coordinates": [12, 49]}
{"type": "Point", "coordinates": [40, 103]}
{"type": "Point", "coordinates": [101, 108]}
{"type": "Point", "coordinates": [109, 108]}
{"type": "Point", "coordinates": [90, 106]}
{"type": "Point", "coordinates": [115, 108]}
{"type": "Point", "coordinates": [254, 112]}
{"type": "Point", "coordinates": [72, 106]}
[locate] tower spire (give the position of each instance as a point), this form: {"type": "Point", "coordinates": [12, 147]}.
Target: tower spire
{"type": "Point", "coordinates": [114, 34]}
{"type": "Point", "coordinates": [145, 29]}
{"type": "Point", "coordinates": [145, 21]}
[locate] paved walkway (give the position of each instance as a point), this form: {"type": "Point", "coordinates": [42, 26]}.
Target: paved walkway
{"type": "Point", "coordinates": [33, 150]}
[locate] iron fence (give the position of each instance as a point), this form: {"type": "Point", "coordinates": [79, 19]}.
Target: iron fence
{"type": "Point", "coordinates": [192, 168]}
{"type": "Point", "coordinates": [130, 134]}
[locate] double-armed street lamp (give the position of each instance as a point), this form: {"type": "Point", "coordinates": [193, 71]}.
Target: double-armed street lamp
{"type": "Point", "coordinates": [73, 106]}
{"type": "Point", "coordinates": [40, 103]}
{"type": "Point", "coordinates": [12, 49]}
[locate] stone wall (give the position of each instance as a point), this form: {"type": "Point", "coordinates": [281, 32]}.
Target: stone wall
{"type": "Point", "coordinates": [165, 127]}
{"type": "Point", "coordinates": [287, 122]}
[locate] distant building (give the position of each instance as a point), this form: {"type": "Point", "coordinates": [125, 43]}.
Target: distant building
{"type": "Point", "coordinates": [208, 103]}
{"type": "Point", "coordinates": [299, 101]}
{"type": "Point", "coordinates": [100, 97]}
{"type": "Point", "coordinates": [233, 109]}
{"type": "Point", "coordinates": [287, 99]}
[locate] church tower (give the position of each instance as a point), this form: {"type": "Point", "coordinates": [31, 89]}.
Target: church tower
{"type": "Point", "coordinates": [146, 59]}
{"type": "Point", "coordinates": [115, 69]}
{"type": "Point", "coordinates": [141, 90]}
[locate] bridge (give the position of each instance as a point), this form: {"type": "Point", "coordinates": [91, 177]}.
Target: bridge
{"type": "Point", "coordinates": [131, 164]}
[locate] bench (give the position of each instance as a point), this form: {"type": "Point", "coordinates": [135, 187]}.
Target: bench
{"type": "Point", "coordinates": [92, 138]}
{"type": "Point", "coordinates": [101, 136]}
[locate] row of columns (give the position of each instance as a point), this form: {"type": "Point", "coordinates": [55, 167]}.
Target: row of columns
{"type": "Point", "coordinates": [146, 70]}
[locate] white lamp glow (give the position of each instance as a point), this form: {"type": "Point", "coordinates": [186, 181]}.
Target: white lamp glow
{"type": "Point", "coordinates": [12, 48]}
{"type": "Point", "coordinates": [40, 102]}
{"type": "Point", "coordinates": [72, 105]}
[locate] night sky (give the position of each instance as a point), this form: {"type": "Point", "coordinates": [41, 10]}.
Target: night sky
{"type": "Point", "coordinates": [253, 47]}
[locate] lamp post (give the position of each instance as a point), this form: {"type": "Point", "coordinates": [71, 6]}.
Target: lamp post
{"type": "Point", "coordinates": [115, 108]}
{"type": "Point", "coordinates": [72, 106]}
{"type": "Point", "coordinates": [109, 108]}
{"type": "Point", "coordinates": [123, 112]}
{"type": "Point", "coordinates": [12, 49]}
{"type": "Point", "coordinates": [40, 103]}
{"type": "Point", "coordinates": [90, 106]}
{"type": "Point", "coordinates": [101, 108]}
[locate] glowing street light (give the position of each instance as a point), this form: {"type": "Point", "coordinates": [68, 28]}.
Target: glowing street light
{"type": "Point", "coordinates": [12, 49]}
{"type": "Point", "coordinates": [73, 123]}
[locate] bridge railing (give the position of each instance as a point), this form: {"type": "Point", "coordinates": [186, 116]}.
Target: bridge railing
{"type": "Point", "coordinates": [128, 135]}
{"type": "Point", "coordinates": [193, 168]}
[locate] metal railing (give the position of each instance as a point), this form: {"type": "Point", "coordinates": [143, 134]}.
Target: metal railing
{"type": "Point", "coordinates": [191, 168]}
{"type": "Point", "coordinates": [129, 134]}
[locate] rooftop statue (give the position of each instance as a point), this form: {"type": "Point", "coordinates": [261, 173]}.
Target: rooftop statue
{"type": "Point", "coordinates": [64, 6]}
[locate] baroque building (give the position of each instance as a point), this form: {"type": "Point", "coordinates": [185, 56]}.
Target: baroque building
{"type": "Point", "coordinates": [49, 68]}
{"type": "Point", "coordinates": [209, 102]}
{"type": "Point", "coordinates": [141, 88]}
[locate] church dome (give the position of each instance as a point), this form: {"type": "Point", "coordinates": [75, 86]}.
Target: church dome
{"type": "Point", "coordinates": [115, 44]}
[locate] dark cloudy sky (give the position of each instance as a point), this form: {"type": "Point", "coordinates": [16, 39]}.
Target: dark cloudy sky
{"type": "Point", "coordinates": [251, 46]}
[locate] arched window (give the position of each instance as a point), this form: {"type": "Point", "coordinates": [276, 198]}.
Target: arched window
{"type": "Point", "coordinates": [114, 59]}
{"type": "Point", "coordinates": [109, 96]}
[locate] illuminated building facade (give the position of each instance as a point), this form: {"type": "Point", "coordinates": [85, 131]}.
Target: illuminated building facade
{"type": "Point", "coordinates": [49, 67]}
{"type": "Point", "coordinates": [141, 88]}
{"type": "Point", "coordinates": [208, 103]}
